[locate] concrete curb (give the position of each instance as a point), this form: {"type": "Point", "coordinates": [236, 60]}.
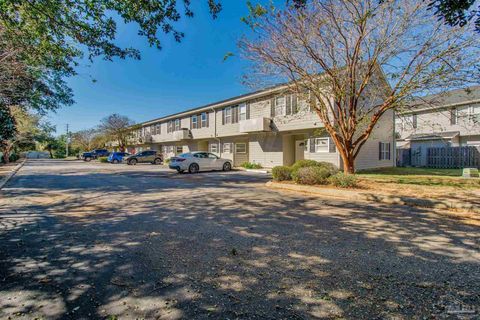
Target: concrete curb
{"type": "Point", "coordinates": [354, 195]}
{"type": "Point", "coordinates": [4, 181]}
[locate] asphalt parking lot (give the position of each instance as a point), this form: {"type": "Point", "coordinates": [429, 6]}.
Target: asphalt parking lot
{"type": "Point", "coordinates": [96, 241]}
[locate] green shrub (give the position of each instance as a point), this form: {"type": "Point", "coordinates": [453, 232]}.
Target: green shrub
{"type": "Point", "coordinates": [103, 159]}
{"type": "Point", "coordinates": [250, 165]}
{"type": "Point", "coordinates": [312, 175]}
{"type": "Point", "coordinates": [312, 163]}
{"type": "Point", "coordinates": [343, 180]}
{"type": "Point", "coordinates": [282, 173]}
{"type": "Point", "coordinates": [167, 161]}
{"type": "Point", "coordinates": [12, 158]}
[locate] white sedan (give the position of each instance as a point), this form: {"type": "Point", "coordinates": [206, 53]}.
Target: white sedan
{"type": "Point", "coordinates": [194, 162]}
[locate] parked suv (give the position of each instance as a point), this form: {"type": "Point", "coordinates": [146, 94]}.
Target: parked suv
{"type": "Point", "coordinates": [97, 153]}
{"type": "Point", "coordinates": [150, 156]}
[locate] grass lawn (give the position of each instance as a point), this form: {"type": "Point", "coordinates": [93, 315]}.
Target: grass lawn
{"type": "Point", "coordinates": [420, 176]}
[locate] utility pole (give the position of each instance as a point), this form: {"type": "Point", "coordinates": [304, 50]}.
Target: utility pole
{"type": "Point", "coordinates": [67, 143]}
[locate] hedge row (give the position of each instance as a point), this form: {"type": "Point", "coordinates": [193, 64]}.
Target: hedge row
{"type": "Point", "coordinates": [311, 172]}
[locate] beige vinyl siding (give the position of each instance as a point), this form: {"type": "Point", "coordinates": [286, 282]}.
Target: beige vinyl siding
{"type": "Point", "coordinates": [470, 140]}
{"type": "Point", "coordinates": [331, 157]}
{"type": "Point", "coordinates": [237, 158]}
{"type": "Point", "coordinates": [240, 158]}
{"type": "Point", "coordinates": [303, 119]}
{"type": "Point", "coordinates": [288, 147]}
{"type": "Point", "coordinates": [214, 142]}
{"type": "Point", "coordinates": [232, 149]}
{"type": "Point", "coordinates": [437, 121]}
{"type": "Point", "coordinates": [228, 129]}
{"type": "Point", "coordinates": [369, 153]}
{"type": "Point", "coordinates": [205, 132]}
{"type": "Point", "coordinates": [266, 149]}
{"type": "Point", "coordinates": [260, 108]}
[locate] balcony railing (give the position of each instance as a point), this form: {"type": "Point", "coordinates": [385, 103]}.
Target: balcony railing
{"type": "Point", "coordinates": [255, 125]}
{"type": "Point", "coordinates": [182, 134]}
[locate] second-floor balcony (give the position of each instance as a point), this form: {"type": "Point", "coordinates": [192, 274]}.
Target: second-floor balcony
{"type": "Point", "coordinates": [255, 125]}
{"type": "Point", "coordinates": [182, 134]}
{"type": "Point", "coordinates": [147, 138]}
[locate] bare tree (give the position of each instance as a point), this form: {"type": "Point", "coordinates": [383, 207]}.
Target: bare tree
{"type": "Point", "coordinates": [359, 59]}
{"type": "Point", "coordinates": [117, 128]}
{"type": "Point", "coordinates": [86, 139]}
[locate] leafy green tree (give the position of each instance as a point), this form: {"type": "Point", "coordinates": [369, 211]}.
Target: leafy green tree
{"type": "Point", "coordinates": [42, 41]}
{"type": "Point", "coordinates": [7, 132]}
{"type": "Point", "coordinates": [61, 32]}
{"type": "Point", "coordinates": [457, 12]}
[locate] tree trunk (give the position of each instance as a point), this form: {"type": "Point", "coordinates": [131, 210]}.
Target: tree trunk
{"type": "Point", "coordinates": [348, 160]}
{"type": "Point", "coordinates": [6, 155]}
{"type": "Point", "coordinates": [348, 164]}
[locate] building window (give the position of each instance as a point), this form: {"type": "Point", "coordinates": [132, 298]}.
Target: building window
{"type": "Point", "coordinates": [384, 151]}
{"type": "Point", "coordinates": [280, 106]}
{"type": "Point", "coordinates": [322, 144]}
{"type": "Point", "coordinates": [194, 122]}
{"type": "Point", "coordinates": [453, 116]}
{"type": "Point", "coordinates": [178, 149]}
{"type": "Point", "coordinates": [242, 111]}
{"type": "Point", "coordinates": [158, 128]}
{"type": "Point", "coordinates": [475, 113]}
{"type": "Point", "coordinates": [177, 124]}
{"type": "Point", "coordinates": [204, 120]}
{"type": "Point", "coordinates": [170, 149]}
{"type": "Point", "coordinates": [214, 147]}
{"type": "Point", "coordinates": [414, 121]}
{"type": "Point", "coordinates": [240, 148]}
{"type": "Point", "coordinates": [227, 147]}
{"type": "Point", "coordinates": [170, 126]}
{"type": "Point", "coordinates": [228, 115]}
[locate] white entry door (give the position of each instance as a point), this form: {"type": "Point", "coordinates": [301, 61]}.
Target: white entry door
{"type": "Point", "coordinates": [299, 150]}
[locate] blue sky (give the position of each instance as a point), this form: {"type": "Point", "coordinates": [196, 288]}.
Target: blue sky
{"type": "Point", "coordinates": [180, 76]}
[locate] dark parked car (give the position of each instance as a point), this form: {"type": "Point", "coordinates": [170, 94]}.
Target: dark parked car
{"type": "Point", "coordinates": [97, 153]}
{"type": "Point", "coordinates": [117, 157]}
{"type": "Point", "coordinates": [149, 156]}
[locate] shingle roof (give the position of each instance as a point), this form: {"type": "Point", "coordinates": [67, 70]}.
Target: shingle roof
{"type": "Point", "coordinates": [432, 136]}
{"type": "Point", "coordinates": [447, 98]}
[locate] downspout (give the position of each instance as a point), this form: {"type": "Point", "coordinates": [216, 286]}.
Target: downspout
{"type": "Point", "coordinates": [394, 151]}
{"type": "Point", "coordinates": [215, 132]}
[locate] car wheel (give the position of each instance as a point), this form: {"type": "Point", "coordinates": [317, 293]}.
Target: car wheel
{"type": "Point", "coordinates": [132, 162]}
{"type": "Point", "coordinates": [193, 168]}
{"type": "Point", "coordinates": [157, 161]}
{"type": "Point", "coordinates": [227, 166]}
{"type": "Point", "coordinates": [115, 161]}
{"type": "Point", "coordinates": [88, 159]}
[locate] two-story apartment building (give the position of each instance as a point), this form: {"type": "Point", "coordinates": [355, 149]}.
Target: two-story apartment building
{"type": "Point", "coordinates": [270, 127]}
{"type": "Point", "coordinates": [447, 119]}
